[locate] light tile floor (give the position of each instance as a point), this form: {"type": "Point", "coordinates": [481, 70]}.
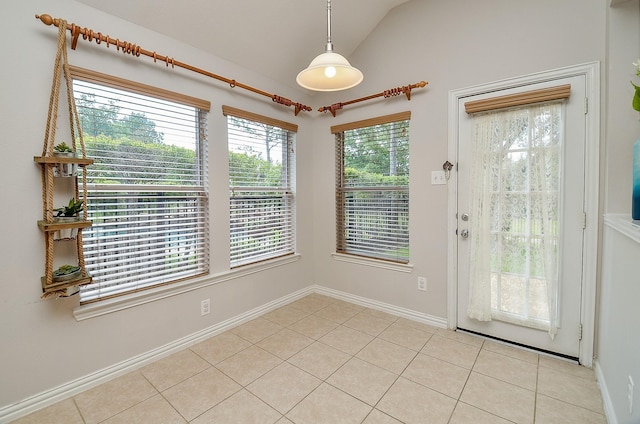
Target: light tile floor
{"type": "Point", "coordinates": [323, 360]}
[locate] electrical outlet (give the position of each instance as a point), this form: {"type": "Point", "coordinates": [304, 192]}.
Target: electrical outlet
{"type": "Point", "coordinates": [422, 283]}
{"type": "Point", "coordinates": [630, 394]}
{"type": "Point", "coordinates": [438, 177]}
{"type": "Point", "coordinates": [205, 307]}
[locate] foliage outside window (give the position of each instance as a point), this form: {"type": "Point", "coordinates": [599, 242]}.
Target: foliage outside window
{"type": "Point", "coordinates": [372, 188]}
{"type": "Point", "coordinates": [147, 193]}
{"type": "Point", "coordinates": [261, 186]}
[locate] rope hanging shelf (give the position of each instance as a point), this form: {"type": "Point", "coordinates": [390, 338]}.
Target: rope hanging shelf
{"type": "Point", "coordinates": [135, 50]}
{"type": "Point", "coordinates": [50, 163]}
{"type": "Point", "coordinates": [393, 92]}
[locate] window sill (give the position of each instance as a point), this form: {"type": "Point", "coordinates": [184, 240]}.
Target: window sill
{"type": "Point", "coordinates": [108, 306]}
{"type": "Point", "coordinates": [624, 225]}
{"type": "Point", "coordinates": [377, 263]}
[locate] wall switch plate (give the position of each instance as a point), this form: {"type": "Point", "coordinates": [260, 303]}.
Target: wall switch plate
{"type": "Point", "coordinates": [205, 307]}
{"type": "Point", "coordinates": [438, 177]}
{"type": "Point", "coordinates": [422, 283]}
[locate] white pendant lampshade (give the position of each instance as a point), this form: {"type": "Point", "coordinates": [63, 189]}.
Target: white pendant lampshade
{"type": "Point", "coordinates": [329, 71]}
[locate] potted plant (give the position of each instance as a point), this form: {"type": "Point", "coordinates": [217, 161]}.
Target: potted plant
{"type": "Point", "coordinates": [62, 150]}
{"type": "Point", "coordinates": [66, 273]}
{"type": "Point", "coordinates": [67, 214]}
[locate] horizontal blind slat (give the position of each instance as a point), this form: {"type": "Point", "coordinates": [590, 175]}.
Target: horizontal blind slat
{"type": "Point", "coordinates": [262, 186]}
{"type": "Point", "coordinates": [560, 92]}
{"type": "Point", "coordinates": [147, 194]}
{"type": "Point", "coordinates": [402, 116]}
{"type": "Point", "coordinates": [372, 188]}
{"type": "Point", "coordinates": [111, 81]}
{"type": "Point", "coordinates": [231, 111]}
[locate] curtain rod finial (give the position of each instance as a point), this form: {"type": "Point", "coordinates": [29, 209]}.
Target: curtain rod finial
{"type": "Point", "coordinates": [46, 19]}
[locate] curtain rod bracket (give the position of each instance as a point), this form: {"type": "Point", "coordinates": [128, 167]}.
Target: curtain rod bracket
{"type": "Point", "coordinates": [386, 94]}
{"type": "Point", "coordinates": [284, 101]}
{"type": "Point", "coordinates": [333, 108]}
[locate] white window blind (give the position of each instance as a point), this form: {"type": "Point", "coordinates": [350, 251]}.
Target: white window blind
{"type": "Point", "coordinates": [147, 191]}
{"type": "Point", "coordinates": [372, 188]}
{"type": "Point", "coordinates": [262, 187]}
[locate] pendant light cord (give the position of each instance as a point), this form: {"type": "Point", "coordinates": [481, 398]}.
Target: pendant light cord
{"type": "Point", "coordinates": [329, 43]}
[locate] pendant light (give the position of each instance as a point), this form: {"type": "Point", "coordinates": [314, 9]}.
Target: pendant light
{"type": "Point", "coordinates": [329, 71]}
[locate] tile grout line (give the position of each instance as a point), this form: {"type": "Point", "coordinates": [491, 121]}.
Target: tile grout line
{"type": "Point", "coordinates": [535, 394]}
{"type": "Point", "coordinates": [284, 415]}
{"type": "Point", "coordinates": [313, 303]}
{"type": "Point", "coordinates": [351, 356]}
{"type": "Point", "coordinates": [242, 386]}
{"type": "Point", "coordinates": [534, 390]}
{"type": "Point", "coordinates": [394, 382]}
{"type": "Point", "coordinates": [75, 403]}
{"type": "Point", "coordinates": [466, 382]}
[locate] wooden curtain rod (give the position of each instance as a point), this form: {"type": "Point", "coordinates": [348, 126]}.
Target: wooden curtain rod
{"type": "Point", "coordinates": [406, 89]}
{"type": "Point", "coordinates": [135, 50]}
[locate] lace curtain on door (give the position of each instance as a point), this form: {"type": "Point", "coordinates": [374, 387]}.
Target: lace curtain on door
{"type": "Point", "coordinates": [515, 182]}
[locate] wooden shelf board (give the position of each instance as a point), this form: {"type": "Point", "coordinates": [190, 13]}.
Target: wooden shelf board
{"type": "Point", "coordinates": [63, 284]}
{"type": "Point", "coordinates": [55, 226]}
{"type": "Point", "coordinates": [52, 160]}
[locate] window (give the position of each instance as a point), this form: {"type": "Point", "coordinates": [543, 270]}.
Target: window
{"type": "Point", "coordinates": [261, 186]}
{"type": "Point", "coordinates": [147, 194]}
{"type": "Point", "coordinates": [372, 188]}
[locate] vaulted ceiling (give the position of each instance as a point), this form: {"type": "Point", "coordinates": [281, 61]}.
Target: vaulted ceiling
{"type": "Point", "coordinates": [276, 38]}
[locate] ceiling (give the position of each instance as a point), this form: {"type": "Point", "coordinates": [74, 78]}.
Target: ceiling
{"type": "Point", "coordinates": [277, 38]}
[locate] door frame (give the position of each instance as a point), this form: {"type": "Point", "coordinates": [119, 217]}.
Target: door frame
{"type": "Point", "coordinates": [591, 71]}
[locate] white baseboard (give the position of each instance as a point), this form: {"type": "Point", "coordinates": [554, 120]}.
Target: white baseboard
{"type": "Point", "coordinates": [27, 406]}
{"type": "Point", "coordinates": [606, 398]}
{"type": "Point", "coordinates": [384, 307]}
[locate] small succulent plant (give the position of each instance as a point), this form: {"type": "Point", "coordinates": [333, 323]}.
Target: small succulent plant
{"type": "Point", "coordinates": [72, 209]}
{"type": "Point", "coordinates": [65, 270]}
{"type": "Point", "coordinates": [62, 147]}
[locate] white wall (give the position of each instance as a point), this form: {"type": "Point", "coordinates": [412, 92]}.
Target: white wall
{"type": "Point", "coordinates": [43, 346]}
{"type": "Point", "coordinates": [622, 122]}
{"type": "Point", "coordinates": [452, 45]}
{"type": "Point", "coordinates": [619, 346]}
{"type": "Point", "coordinates": [618, 339]}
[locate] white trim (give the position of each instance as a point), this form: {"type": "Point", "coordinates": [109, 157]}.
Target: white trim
{"type": "Point", "coordinates": [107, 306]}
{"type": "Point", "coordinates": [452, 211]}
{"type": "Point", "coordinates": [89, 381]}
{"type": "Point", "coordinates": [591, 208]}
{"type": "Point", "coordinates": [384, 307]}
{"type": "Point", "coordinates": [72, 388]}
{"type": "Point", "coordinates": [623, 224]}
{"type": "Point", "coordinates": [609, 412]}
{"type": "Point", "coordinates": [377, 263]}
{"type": "Point", "coordinates": [591, 71]}
{"type": "Point", "coordinates": [613, 3]}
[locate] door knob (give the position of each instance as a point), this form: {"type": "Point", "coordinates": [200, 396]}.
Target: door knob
{"type": "Point", "coordinates": [465, 216]}
{"type": "Point", "coordinates": [464, 233]}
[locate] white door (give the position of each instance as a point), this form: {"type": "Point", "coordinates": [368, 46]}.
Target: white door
{"type": "Point", "coordinates": [520, 291]}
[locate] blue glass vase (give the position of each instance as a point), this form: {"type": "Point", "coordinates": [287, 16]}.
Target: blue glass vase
{"type": "Point", "coordinates": [635, 202]}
